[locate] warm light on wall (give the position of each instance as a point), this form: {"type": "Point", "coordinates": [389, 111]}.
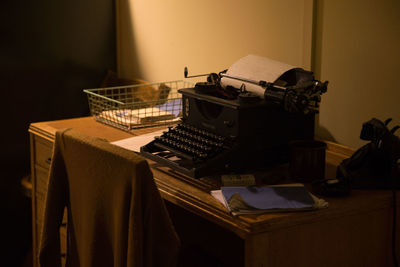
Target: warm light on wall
{"type": "Point", "coordinates": [159, 38]}
{"type": "Point", "coordinates": [353, 46]}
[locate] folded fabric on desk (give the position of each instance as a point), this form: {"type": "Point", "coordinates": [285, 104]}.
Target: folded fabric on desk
{"type": "Point", "coordinates": [261, 199]}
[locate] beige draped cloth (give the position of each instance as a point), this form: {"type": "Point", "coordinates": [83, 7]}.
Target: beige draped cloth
{"type": "Point", "coordinates": [116, 216]}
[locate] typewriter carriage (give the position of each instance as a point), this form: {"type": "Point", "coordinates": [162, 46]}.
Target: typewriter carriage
{"type": "Point", "coordinates": [232, 130]}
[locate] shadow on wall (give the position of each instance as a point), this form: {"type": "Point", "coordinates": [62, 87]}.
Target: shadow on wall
{"type": "Point", "coordinates": [128, 65]}
{"type": "Point", "coordinates": [361, 70]}
{"type": "Point", "coordinates": [323, 133]}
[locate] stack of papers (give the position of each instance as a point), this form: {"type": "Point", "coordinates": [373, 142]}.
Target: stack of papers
{"type": "Point", "coordinates": [137, 116]}
{"type": "Point", "coordinates": [173, 106]}
{"type": "Point", "coordinates": [169, 111]}
{"type": "Point", "coordinates": [256, 199]}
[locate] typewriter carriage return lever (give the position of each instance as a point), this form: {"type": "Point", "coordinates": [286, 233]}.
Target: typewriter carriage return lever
{"type": "Point", "coordinates": [301, 92]}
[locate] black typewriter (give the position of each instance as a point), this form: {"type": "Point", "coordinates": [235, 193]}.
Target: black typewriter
{"type": "Point", "coordinates": [231, 130]}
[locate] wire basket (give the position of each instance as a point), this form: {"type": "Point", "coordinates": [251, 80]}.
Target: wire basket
{"type": "Point", "coordinates": [137, 106]}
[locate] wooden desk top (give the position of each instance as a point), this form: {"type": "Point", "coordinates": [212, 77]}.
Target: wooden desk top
{"type": "Point", "coordinates": [194, 195]}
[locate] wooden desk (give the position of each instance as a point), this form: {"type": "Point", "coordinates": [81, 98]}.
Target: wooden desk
{"type": "Point", "coordinates": [353, 231]}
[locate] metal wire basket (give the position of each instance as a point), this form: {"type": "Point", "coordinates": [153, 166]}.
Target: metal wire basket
{"type": "Point", "coordinates": [137, 106]}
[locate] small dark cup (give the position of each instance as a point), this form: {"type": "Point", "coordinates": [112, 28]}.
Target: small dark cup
{"type": "Point", "coordinates": [307, 160]}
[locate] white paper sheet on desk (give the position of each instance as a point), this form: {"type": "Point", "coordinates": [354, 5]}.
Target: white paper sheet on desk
{"type": "Point", "coordinates": [255, 68]}
{"type": "Point", "coordinates": [136, 142]}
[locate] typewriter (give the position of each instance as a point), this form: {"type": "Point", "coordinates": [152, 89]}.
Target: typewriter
{"type": "Point", "coordinates": [226, 129]}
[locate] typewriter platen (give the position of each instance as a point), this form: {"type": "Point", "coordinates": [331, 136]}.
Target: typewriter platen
{"type": "Point", "coordinates": [231, 130]}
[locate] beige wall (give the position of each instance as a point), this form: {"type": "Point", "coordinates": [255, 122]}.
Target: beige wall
{"type": "Point", "coordinates": [157, 39]}
{"type": "Point", "coordinates": [358, 51]}
{"type": "Point", "coordinates": [354, 45]}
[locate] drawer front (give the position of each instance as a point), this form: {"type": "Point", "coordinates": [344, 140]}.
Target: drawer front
{"type": "Point", "coordinates": [40, 188]}
{"type": "Point", "coordinates": [40, 184]}
{"type": "Point", "coordinates": [63, 239]}
{"type": "Point", "coordinates": [43, 152]}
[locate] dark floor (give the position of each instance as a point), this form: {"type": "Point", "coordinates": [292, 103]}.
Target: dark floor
{"type": "Point", "coordinates": [16, 221]}
{"type": "Point", "coordinates": [205, 244]}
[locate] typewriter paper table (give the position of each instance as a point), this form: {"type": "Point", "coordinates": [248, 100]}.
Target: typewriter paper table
{"type": "Point", "coordinates": [353, 231]}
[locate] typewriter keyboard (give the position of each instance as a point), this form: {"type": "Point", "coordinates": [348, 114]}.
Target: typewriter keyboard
{"type": "Point", "coordinates": [190, 142]}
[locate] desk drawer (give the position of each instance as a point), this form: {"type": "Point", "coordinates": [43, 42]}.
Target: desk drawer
{"type": "Point", "coordinates": [43, 152]}
{"type": "Point", "coordinates": [62, 232]}
{"type": "Point", "coordinates": [40, 189]}
{"type": "Point", "coordinates": [63, 239]}
{"type": "Point", "coordinates": [41, 181]}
